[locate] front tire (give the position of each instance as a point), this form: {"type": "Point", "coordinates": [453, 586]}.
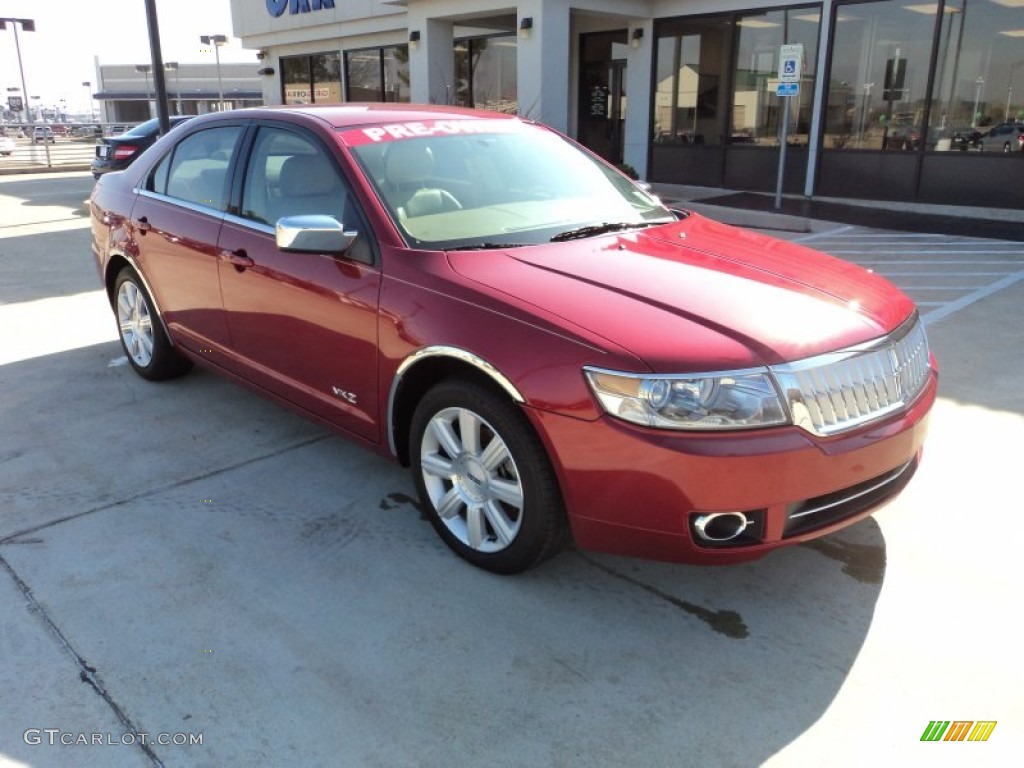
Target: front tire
{"type": "Point", "coordinates": [143, 340]}
{"type": "Point", "coordinates": [485, 479]}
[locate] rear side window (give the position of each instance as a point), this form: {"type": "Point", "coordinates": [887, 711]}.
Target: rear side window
{"type": "Point", "coordinates": [197, 170]}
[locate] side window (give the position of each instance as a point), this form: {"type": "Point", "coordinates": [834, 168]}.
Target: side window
{"type": "Point", "coordinates": [197, 172]}
{"type": "Point", "coordinates": [291, 175]}
{"type": "Point", "coordinates": [157, 181]}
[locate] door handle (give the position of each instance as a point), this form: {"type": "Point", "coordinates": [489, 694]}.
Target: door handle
{"type": "Point", "coordinates": [143, 225]}
{"type": "Point", "coordinates": [239, 259]}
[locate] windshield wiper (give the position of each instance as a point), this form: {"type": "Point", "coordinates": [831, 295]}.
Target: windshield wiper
{"type": "Point", "coordinates": [486, 246]}
{"type": "Point", "coordinates": [599, 229]}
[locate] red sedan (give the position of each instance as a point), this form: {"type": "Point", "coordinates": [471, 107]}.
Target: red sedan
{"type": "Point", "coordinates": [552, 351]}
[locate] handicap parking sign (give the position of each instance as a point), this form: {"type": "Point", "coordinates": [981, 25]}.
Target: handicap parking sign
{"type": "Point", "coordinates": [791, 62]}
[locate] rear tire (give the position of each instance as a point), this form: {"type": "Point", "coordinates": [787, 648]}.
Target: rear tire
{"type": "Point", "coordinates": [143, 340]}
{"type": "Point", "coordinates": [485, 479]}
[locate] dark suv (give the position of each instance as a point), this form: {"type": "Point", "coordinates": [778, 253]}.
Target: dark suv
{"type": "Point", "coordinates": [1006, 136]}
{"type": "Point", "coordinates": [115, 153]}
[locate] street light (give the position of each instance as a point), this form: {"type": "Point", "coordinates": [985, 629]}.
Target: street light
{"type": "Point", "coordinates": [216, 41]}
{"type": "Point", "coordinates": [146, 68]}
{"type": "Point", "coordinates": [88, 95]}
{"type": "Point", "coordinates": [1009, 88]}
{"type": "Point", "coordinates": [979, 84]}
{"type": "Point", "coordinates": [172, 66]}
{"type": "Point", "coordinates": [29, 25]}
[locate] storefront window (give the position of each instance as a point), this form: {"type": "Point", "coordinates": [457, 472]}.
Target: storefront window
{"type": "Point", "coordinates": [979, 82]}
{"type": "Point", "coordinates": [756, 109]}
{"type": "Point", "coordinates": [485, 73]}
{"type": "Point", "coordinates": [296, 80]}
{"type": "Point", "coordinates": [396, 73]}
{"type": "Point", "coordinates": [378, 74]}
{"type": "Point", "coordinates": [877, 92]}
{"type": "Point", "coordinates": [692, 61]}
{"type": "Point", "coordinates": [312, 79]}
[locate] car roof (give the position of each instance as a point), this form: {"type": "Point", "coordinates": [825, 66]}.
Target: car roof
{"type": "Point", "coordinates": [353, 114]}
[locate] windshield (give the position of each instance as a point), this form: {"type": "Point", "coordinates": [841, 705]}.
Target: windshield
{"type": "Point", "coordinates": [489, 184]}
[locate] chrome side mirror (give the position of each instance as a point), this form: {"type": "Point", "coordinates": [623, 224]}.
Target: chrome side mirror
{"type": "Point", "coordinates": [313, 234]}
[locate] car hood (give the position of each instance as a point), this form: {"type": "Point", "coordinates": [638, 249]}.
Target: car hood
{"type": "Point", "coordinates": [696, 294]}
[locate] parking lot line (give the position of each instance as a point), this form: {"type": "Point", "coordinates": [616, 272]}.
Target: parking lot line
{"type": "Point", "coordinates": [978, 268]}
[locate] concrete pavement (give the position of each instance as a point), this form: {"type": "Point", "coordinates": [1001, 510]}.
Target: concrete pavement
{"type": "Point", "coordinates": [188, 561]}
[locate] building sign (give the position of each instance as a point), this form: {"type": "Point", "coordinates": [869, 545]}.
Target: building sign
{"type": "Point", "coordinates": [277, 7]}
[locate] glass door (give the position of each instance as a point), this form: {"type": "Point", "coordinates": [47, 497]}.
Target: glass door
{"type": "Point", "coordinates": [602, 108]}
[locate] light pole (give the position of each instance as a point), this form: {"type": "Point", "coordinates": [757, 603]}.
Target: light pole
{"type": "Point", "coordinates": [1009, 89]}
{"type": "Point", "coordinates": [216, 41]}
{"type": "Point", "coordinates": [172, 66]}
{"type": "Point", "coordinates": [146, 68]}
{"type": "Point", "coordinates": [88, 96]}
{"type": "Point", "coordinates": [978, 85]}
{"type": "Point", "coordinates": [29, 25]}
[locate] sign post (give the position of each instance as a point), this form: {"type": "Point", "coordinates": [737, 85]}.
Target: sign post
{"type": "Point", "coordinates": [791, 67]}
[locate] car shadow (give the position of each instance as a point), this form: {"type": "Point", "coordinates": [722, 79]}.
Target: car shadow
{"type": "Point", "coordinates": [60, 263]}
{"type": "Point", "coordinates": [69, 192]}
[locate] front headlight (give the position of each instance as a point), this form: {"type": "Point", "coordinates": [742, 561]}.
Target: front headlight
{"type": "Point", "coordinates": [736, 400]}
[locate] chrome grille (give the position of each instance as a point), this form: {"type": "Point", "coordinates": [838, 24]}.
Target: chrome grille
{"type": "Point", "coordinates": [841, 390]}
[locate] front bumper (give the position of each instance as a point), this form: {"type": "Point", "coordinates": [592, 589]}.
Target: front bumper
{"type": "Point", "coordinates": [635, 491]}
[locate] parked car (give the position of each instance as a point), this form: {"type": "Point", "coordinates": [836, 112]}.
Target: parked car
{"type": "Point", "coordinates": [550, 349]}
{"type": "Point", "coordinates": [42, 133]}
{"type": "Point", "coordinates": [957, 139]}
{"type": "Point", "coordinates": [115, 153]}
{"type": "Point", "coordinates": [1008, 137]}
{"type": "Point", "coordinates": [88, 131]}
{"type": "Point", "coordinates": [7, 145]}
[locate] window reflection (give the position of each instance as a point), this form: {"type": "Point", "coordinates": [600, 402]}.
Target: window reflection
{"type": "Point", "coordinates": [877, 97]}
{"type": "Point", "coordinates": [696, 59]}
{"type": "Point", "coordinates": [378, 74]}
{"type": "Point", "coordinates": [979, 82]}
{"type": "Point", "coordinates": [312, 79]}
{"type": "Point", "coordinates": [880, 57]}
{"type": "Point", "coordinates": [485, 73]}
{"type": "Point", "coordinates": [756, 109]}
{"type": "Point", "coordinates": [691, 64]}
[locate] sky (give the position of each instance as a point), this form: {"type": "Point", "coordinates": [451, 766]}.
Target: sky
{"type": "Point", "coordinates": [58, 56]}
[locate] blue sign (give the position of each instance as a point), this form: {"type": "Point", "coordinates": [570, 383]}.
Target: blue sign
{"type": "Point", "coordinates": [787, 89]}
{"type": "Point", "coordinates": [277, 7]}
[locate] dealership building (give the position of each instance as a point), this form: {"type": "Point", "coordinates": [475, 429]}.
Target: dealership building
{"type": "Point", "coordinates": [889, 98]}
